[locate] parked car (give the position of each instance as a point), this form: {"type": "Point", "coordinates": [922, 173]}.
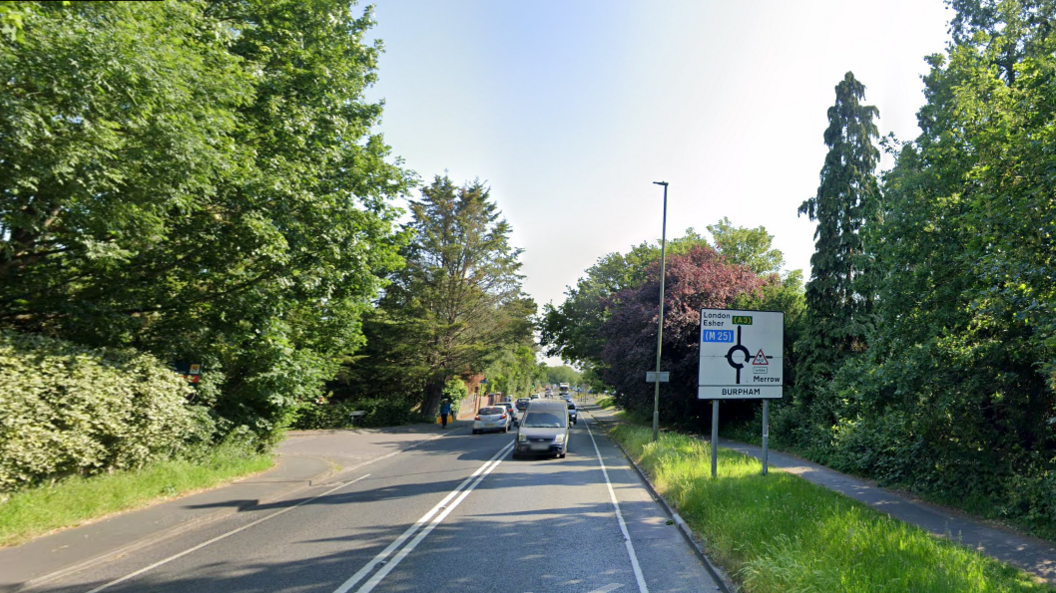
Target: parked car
{"type": "Point", "coordinates": [543, 429]}
{"type": "Point", "coordinates": [511, 410]}
{"type": "Point", "coordinates": [573, 413]}
{"type": "Point", "coordinates": [491, 418]}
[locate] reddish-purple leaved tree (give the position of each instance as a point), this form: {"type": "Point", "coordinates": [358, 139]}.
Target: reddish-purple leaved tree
{"type": "Point", "coordinates": [699, 279]}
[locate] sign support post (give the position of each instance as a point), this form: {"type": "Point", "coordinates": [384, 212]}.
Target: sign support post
{"type": "Point", "coordinates": [766, 432]}
{"type": "Point", "coordinates": [714, 437]}
{"type": "Point", "coordinates": [741, 357]}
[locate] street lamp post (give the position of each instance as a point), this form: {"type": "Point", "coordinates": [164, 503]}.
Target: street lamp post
{"type": "Point", "coordinates": [660, 322]}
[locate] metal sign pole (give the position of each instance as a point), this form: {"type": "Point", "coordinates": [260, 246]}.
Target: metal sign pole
{"type": "Point", "coordinates": [714, 437]}
{"type": "Point", "coordinates": [766, 432]}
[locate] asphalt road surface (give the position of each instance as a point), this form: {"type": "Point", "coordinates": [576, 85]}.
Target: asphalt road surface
{"type": "Point", "coordinates": [457, 514]}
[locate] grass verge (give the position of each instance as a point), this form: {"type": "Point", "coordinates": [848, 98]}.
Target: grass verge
{"type": "Point", "coordinates": [780, 533]}
{"type": "Point", "coordinates": [33, 512]}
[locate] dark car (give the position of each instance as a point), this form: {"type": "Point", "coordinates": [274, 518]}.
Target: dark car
{"type": "Point", "coordinates": [573, 413]}
{"type": "Point", "coordinates": [543, 430]}
{"type": "Point", "coordinates": [521, 404]}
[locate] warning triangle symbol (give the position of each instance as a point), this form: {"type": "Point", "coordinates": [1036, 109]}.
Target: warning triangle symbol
{"type": "Point", "coordinates": [760, 358]}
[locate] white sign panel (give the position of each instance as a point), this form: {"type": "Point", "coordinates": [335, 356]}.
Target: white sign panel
{"type": "Point", "coordinates": [650, 377]}
{"type": "Point", "coordinates": [741, 354]}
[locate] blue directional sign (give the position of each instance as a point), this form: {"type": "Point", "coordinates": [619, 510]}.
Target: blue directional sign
{"type": "Point", "coordinates": [712, 335]}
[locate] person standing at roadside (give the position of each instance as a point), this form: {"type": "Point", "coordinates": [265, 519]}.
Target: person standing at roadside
{"type": "Point", "coordinates": [445, 409]}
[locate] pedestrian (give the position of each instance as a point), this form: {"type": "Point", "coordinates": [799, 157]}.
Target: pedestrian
{"type": "Point", "coordinates": [445, 409]}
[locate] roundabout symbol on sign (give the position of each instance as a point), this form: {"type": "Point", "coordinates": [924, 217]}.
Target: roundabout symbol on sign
{"type": "Point", "coordinates": [738, 348]}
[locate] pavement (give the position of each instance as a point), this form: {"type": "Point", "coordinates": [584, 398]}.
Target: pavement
{"type": "Point", "coordinates": [1033, 555]}
{"type": "Point", "coordinates": [304, 459]}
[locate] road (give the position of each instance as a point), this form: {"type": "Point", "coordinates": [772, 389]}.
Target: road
{"type": "Point", "coordinates": [455, 514]}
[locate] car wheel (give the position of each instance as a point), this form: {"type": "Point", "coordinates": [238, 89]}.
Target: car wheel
{"type": "Point", "coordinates": [561, 456]}
{"type": "Point", "coordinates": [475, 431]}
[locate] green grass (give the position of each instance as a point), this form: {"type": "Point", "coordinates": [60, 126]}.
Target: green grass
{"type": "Point", "coordinates": [780, 533]}
{"type": "Point", "coordinates": [36, 511]}
{"type": "Point", "coordinates": [605, 402]}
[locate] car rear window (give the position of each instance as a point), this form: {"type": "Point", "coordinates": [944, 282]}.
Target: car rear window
{"type": "Point", "coordinates": [491, 411]}
{"type": "Point", "coordinates": [571, 406]}
{"type": "Point", "coordinates": [543, 420]}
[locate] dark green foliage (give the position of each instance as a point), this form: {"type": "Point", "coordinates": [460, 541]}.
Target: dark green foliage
{"type": "Point", "coordinates": [69, 410]}
{"type": "Point", "coordinates": [198, 180]}
{"type": "Point", "coordinates": [955, 396]}
{"type": "Point", "coordinates": [456, 306]}
{"type": "Point", "coordinates": [383, 411]}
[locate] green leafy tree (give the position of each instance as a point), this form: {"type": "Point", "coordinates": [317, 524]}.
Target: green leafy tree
{"type": "Point", "coordinates": [571, 330]}
{"type": "Point", "coordinates": [839, 312]}
{"type": "Point", "coordinates": [563, 374]}
{"type": "Point", "coordinates": [199, 180]}
{"type": "Point", "coordinates": [963, 363]}
{"type": "Point", "coordinates": [749, 247]}
{"type": "Point", "coordinates": [457, 305]}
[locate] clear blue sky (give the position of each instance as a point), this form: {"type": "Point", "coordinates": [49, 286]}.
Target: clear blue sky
{"type": "Point", "coordinates": [570, 109]}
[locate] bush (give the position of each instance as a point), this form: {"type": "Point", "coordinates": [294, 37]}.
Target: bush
{"type": "Point", "coordinates": [70, 410]}
{"type": "Point", "coordinates": [379, 412]}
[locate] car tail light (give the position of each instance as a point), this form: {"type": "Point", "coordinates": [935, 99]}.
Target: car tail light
{"type": "Point", "coordinates": [477, 418]}
{"type": "Point", "coordinates": [503, 417]}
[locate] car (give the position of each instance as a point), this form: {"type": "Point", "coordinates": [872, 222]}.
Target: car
{"type": "Point", "coordinates": [491, 418]}
{"type": "Point", "coordinates": [573, 413]}
{"type": "Point", "coordinates": [543, 429]}
{"type": "Point", "coordinates": [534, 397]}
{"type": "Point", "coordinates": [511, 409]}
{"type": "Point", "coordinates": [521, 404]}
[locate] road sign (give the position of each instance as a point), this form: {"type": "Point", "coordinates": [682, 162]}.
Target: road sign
{"type": "Point", "coordinates": [650, 376]}
{"type": "Point", "coordinates": [741, 354]}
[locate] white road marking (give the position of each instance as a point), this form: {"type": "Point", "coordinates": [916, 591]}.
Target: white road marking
{"type": "Point", "coordinates": [642, 588]}
{"type": "Point", "coordinates": [220, 537]}
{"type": "Point", "coordinates": [443, 508]}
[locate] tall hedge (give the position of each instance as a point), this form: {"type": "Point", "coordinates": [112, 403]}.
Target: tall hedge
{"type": "Point", "coordinates": [66, 409]}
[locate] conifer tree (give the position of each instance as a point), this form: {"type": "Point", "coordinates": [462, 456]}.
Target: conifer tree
{"type": "Point", "coordinates": [838, 308]}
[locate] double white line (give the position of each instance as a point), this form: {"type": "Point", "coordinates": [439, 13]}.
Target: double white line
{"type": "Point", "coordinates": [423, 527]}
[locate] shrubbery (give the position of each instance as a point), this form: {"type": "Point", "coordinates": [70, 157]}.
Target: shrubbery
{"type": "Point", "coordinates": [379, 412]}
{"type": "Point", "coordinates": [71, 410]}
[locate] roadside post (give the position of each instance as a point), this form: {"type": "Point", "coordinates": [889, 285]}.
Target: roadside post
{"type": "Point", "coordinates": [741, 357]}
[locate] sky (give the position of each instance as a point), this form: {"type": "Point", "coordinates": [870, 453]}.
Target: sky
{"type": "Point", "coordinates": [569, 110]}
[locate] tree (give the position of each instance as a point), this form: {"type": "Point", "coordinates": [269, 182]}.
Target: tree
{"type": "Point", "coordinates": [457, 305]}
{"type": "Point", "coordinates": [749, 247]}
{"type": "Point", "coordinates": [572, 329]}
{"type": "Point", "coordinates": [963, 360]}
{"type": "Point", "coordinates": [839, 311]}
{"type": "Point", "coordinates": [698, 279]}
{"type": "Point", "coordinates": [199, 180]}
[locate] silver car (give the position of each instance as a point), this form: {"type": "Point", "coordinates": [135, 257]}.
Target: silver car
{"type": "Point", "coordinates": [511, 410]}
{"type": "Point", "coordinates": [543, 429]}
{"type": "Point", "coordinates": [491, 418]}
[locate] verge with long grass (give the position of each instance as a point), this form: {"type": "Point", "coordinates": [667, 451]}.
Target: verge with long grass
{"type": "Point", "coordinates": [780, 533]}
{"type": "Point", "coordinates": [36, 511]}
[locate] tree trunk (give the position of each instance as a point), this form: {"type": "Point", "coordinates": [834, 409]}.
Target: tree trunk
{"type": "Point", "coordinates": [434, 390]}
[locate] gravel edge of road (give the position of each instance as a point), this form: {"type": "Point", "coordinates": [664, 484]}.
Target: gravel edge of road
{"type": "Point", "coordinates": [726, 585]}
